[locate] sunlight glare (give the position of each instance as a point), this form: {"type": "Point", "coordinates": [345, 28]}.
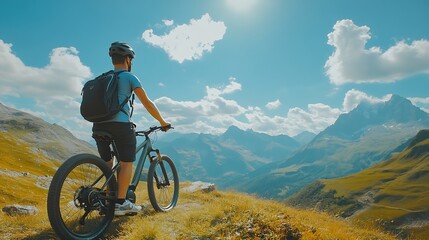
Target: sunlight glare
{"type": "Point", "coordinates": [241, 5]}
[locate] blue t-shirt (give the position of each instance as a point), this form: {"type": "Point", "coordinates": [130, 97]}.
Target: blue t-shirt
{"type": "Point", "coordinates": [127, 82]}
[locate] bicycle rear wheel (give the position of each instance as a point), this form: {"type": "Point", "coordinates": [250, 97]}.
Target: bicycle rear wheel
{"type": "Point", "coordinates": [79, 207]}
{"type": "Point", "coordinates": [163, 184]}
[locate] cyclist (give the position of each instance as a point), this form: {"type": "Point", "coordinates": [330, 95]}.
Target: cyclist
{"type": "Point", "coordinates": [121, 127]}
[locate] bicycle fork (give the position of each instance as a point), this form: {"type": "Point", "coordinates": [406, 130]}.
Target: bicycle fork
{"type": "Point", "coordinates": [166, 181]}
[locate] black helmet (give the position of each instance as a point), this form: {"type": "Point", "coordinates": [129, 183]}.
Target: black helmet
{"type": "Point", "coordinates": [123, 49]}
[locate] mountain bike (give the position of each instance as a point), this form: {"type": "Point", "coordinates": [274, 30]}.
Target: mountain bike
{"type": "Point", "coordinates": [83, 191]}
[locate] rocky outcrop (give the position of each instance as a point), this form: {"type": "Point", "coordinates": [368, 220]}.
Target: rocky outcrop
{"type": "Point", "coordinates": [200, 186]}
{"type": "Point", "coordinates": [13, 210]}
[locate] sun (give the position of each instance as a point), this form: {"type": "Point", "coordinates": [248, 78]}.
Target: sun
{"type": "Point", "coordinates": [241, 5]}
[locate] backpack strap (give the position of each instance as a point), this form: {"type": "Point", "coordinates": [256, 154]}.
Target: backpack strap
{"type": "Point", "coordinates": [129, 98]}
{"type": "Point", "coordinates": [133, 96]}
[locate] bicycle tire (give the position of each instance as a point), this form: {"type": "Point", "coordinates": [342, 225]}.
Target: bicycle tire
{"type": "Point", "coordinates": [163, 197]}
{"type": "Point", "coordinates": [73, 177]}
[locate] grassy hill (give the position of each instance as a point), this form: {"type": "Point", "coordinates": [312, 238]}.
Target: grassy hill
{"type": "Point", "coordinates": [25, 171]}
{"type": "Point", "coordinates": [393, 193]}
{"type": "Point", "coordinates": [25, 174]}
{"type": "Point", "coordinates": [51, 139]}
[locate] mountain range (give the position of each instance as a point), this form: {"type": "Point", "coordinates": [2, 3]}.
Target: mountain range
{"type": "Point", "coordinates": [219, 158]}
{"type": "Point", "coordinates": [249, 161]}
{"type": "Point", "coordinates": [366, 135]}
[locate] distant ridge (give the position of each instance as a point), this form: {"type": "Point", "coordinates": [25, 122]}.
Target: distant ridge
{"type": "Point", "coordinates": [304, 137]}
{"type": "Point", "coordinates": [366, 135]}
{"type": "Point", "coordinates": [221, 158]}
{"type": "Point", "coordinates": [55, 141]}
{"type": "Point", "coordinates": [420, 137]}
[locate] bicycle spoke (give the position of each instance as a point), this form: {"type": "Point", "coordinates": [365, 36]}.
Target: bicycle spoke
{"type": "Point", "coordinates": [163, 188]}
{"type": "Point", "coordinates": [79, 192]}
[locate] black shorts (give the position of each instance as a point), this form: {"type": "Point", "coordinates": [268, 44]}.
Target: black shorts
{"type": "Point", "coordinates": [125, 139]}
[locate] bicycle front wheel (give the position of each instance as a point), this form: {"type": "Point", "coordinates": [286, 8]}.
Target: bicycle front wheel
{"type": "Point", "coordinates": [79, 204]}
{"type": "Point", "coordinates": [163, 184]}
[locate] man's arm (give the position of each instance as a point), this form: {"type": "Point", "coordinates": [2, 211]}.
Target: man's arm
{"type": "Point", "coordinates": [149, 105]}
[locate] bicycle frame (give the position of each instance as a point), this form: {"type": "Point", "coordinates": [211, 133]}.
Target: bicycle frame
{"type": "Point", "coordinates": [146, 148]}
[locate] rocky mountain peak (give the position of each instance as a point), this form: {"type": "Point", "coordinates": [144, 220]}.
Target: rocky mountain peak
{"type": "Point", "coordinates": [233, 130]}
{"type": "Point", "coordinates": [396, 110]}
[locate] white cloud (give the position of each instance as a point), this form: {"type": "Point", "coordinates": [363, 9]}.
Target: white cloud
{"type": "Point", "coordinates": [233, 86]}
{"type": "Point", "coordinates": [352, 62]}
{"type": "Point", "coordinates": [188, 41]}
{"type": "Point", "coordinates": [422, 103]}
{"type": "Point", "coordinates": [318, 117]}
{"type": "Point", "coordinates": [273, 105]}
{"type": "Point", "coordinates": [211, 114]}
{"type": "Point", "coordinates": [213, 105]}
{"type": "Point", "coordinates": [415, 100]}
{"type": "Point", "coordinates": [63, 76]}
{"type": "Point", "coordinates": [354, 97]}
{"type": "Point", "coordinates": [215, 112]}
{"type": "Point", "coordinates": [54, 89]}
{"type": "Point", "coordinates": [168, 22]}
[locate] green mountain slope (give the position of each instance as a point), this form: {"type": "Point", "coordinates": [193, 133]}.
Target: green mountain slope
{"type": "Point", "coordinates": [25, 173]}
{"type": "Point", "coordinates": [393, 193]}
{"type": "Point", "coordinates": [30, 152]}
{"type": "Point", "coordinates": [51, 139]}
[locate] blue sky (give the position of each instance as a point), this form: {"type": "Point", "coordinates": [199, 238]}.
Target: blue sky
{"type": "Point", "coordinates": [274, 66]}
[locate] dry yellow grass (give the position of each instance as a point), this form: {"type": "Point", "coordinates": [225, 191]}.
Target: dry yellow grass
{"type": "Point", "coordinates": [215, 215]}
{"type": "Point", "coordinates": [228, 215]}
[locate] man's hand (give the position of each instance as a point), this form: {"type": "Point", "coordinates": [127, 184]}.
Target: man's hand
{"type": "Point", "coordinates": [165, 127]}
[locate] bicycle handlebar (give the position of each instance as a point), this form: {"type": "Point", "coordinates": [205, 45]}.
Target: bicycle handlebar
{"type": "Point", "coordinates": [153, 129]}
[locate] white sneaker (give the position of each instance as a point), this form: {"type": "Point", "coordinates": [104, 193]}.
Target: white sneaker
{"type": "Point", "coordinates": [127, 208]}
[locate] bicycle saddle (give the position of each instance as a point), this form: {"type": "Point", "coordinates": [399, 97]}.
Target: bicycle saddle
{"type": "Point", "coordinates": [102, 136]}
